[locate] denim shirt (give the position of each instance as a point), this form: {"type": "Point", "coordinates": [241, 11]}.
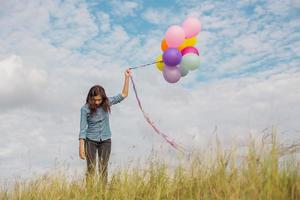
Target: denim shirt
{"type": "Point", "coordinates": [96, 126]}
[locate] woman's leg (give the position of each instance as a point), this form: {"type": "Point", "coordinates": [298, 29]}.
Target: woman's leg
{"type": "Point", "coordinates": [90, 154]}
{"type": "Point", "coordinates": [103, 157]}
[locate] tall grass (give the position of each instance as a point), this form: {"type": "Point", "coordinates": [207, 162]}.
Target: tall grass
{"type": "Point", "coordinates": [262, 172]}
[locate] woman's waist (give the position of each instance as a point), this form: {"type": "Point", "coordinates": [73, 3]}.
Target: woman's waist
{"type": "Point", "coordinates": [98, 141]}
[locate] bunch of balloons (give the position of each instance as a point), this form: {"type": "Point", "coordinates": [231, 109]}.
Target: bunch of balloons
{"type": "Point", "coordinates": [179, 52]}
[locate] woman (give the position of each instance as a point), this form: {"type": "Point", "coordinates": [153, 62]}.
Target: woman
{"type": "Point", "coordinates": [95, 134]}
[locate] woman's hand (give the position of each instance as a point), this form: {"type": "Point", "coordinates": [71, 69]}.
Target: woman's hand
{"type": "Point", "coordinates": [127, 73]}
{"type": "Point", "coordinates": [81, 150]}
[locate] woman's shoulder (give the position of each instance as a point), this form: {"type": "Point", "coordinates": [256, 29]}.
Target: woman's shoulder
{"type": "Point", "coordinates": [85, 107]}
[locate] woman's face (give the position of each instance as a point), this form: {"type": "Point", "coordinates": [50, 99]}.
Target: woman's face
{"type": "Point", "coordinates": [97, 100]}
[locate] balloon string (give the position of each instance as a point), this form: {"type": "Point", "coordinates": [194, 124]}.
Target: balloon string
{"type": "Point", "coordinates": [165, 137]}
{"type": "Point", "coordinates": [145, 65]}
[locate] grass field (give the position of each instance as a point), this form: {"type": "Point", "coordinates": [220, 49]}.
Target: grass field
{"type": "Point", "coordinates": [265, 170]}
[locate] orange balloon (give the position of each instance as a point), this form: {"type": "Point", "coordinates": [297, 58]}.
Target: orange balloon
{"type": "Point", "coordinates": [164, 45]}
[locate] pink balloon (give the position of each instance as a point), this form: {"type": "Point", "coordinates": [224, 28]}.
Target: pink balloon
{"type": "Point", "coordinates": [191, 27]}
{"type": "Point", "coordinates": [189, 50]}
{"type": "Point", "coordinates": [175, 35]}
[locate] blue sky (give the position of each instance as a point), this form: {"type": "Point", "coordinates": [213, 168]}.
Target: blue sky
{"type": "Point", "coordinates": [52, 52]}
{"type": "Point", "coordinates": [233, 27]}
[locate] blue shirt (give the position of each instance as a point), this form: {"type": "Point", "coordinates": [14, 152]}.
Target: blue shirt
{"type": "Point", "coordinates": [96, 126]}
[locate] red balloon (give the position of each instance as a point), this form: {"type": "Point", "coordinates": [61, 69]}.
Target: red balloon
{"type": "Point", "coordinates": [189, 50]}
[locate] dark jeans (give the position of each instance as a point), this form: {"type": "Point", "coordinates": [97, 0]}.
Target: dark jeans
{"type": "Point", "coordinates": [104, 148]}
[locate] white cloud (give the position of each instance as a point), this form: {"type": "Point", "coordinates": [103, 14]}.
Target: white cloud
{"type": "Point", "coordinates": [295, 3]}
{"type": "Point", "coordinates": [251, 44]}
{"type": "Point", "coordinates": [19, 84]}
{"type": "Point", "coordinates": [104, 20]}
{"type": "Point", "coordinates": [280, 7]}
{"type": "Point", "coordinates": [124, 8]}
{"type": "Point", "coordinates": [72, 25]}
{"type": "Point", "coordinates": [162, 16]}
{"type": "Point", "coordinates": [156, 16]}
{"type": "Point", "coordinates": [111, 43]}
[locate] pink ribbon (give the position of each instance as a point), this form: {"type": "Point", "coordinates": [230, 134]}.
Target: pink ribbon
{"type": "Point", "coordinates": [165, 137]}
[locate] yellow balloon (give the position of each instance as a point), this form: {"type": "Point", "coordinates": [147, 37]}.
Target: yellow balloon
{"type": "Point", "coordinates": [160, 65]}
{"type": "Point", "coordinates": [189, 42]}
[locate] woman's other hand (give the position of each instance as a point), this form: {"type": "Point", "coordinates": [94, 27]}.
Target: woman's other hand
{"type": "Point", "coordinates": [81, 149]}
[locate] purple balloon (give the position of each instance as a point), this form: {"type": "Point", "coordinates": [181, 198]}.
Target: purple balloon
{"type": "Point", "coordinates": [189, 50]}
{"type": "Point", "coordinates": [171, 74]}
{"type": "Point", "coordinates": [172, 57]}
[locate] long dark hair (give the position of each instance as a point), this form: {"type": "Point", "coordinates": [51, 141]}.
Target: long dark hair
{"type": "Point", "coordinates": [97, 90]}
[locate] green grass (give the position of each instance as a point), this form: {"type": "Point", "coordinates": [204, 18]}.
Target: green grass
{"type": "Point", "coordinates": [264, 171]}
